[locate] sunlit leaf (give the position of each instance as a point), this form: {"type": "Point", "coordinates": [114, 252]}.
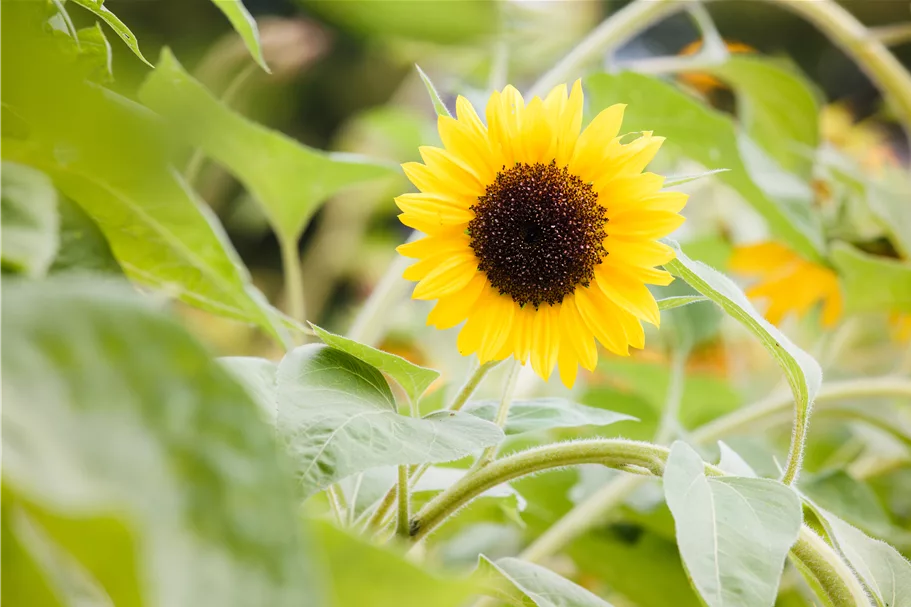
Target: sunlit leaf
{"type": "Point", "coordinates": [731, 462]}
{"type": "Point", "coordinates": [708, 137]}
{"type": "Point", "coordinates": [545, 413]}
{"type": "Point", "coordinates": [675, 180]}
{"type": "Point", "coordinates": [669, 303]}
{"type": "Point", "coordinates": [733, 532]}
{"type": "Point", "coordinates": [414, 379]}
{"type": "Point", "coordinates": [111, 409]}
{"type": "Point", "coordinates": [83, 247]}
{"type": "Point", "coordinates": [438, 104]}
{"type": "Point", "coordinates": [119, 27]}
{"type": "Point", "coordinates": [257, 376]}
{"type": "Point", "coordinates": [245, 25]}
{"type": "Point", "coordinates": [338, 417]}
{"type": "Point", "coordinates": [28, 211]}
{"type": "Point", "coordinates": [289, 179]}
{"type": "Point", "coordinates": [872, 283]}
{"type": "Point", "coordinates": [525, 584]}
{"type": "Point", "coordinates": [95, 50]}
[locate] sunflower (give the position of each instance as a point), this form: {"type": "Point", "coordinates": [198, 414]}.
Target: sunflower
{"type": "Point", "coordinates": [789, 282]}
{"type": "Point", "coordinates": [540, 237]}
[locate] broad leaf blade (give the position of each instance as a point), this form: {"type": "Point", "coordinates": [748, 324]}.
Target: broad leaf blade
{"type": "Point", "coordinates": [872, 283]}
{"type": "Point", "coordinates": [245, 25]}
{"type": "Point", "coordinates": [111, 408]}
{"type": "Point", "coordinates": [289, 179]}
{"type": "Point", "coordinates": [29, 217]}
{"type": "Point", "coordinates": [522, 583]}
{"type": "Point", "coordinates": [338, 417]}
{"type": "Point", "coordinates": [119, 27]}
{"type": "Point", "coordinates": [257, 376]}
{"type": "Point", "coordinates": [733, 533]}
{"type": "Point", "coordinates": [414, 379]}
{"type": "Point", "coordinates": [545, 413]}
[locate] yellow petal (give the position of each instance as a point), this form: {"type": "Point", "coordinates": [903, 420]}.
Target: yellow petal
{"type": "Point", "coordinates": [566, 119]}
{"type": "Point", "coordinates": [640, 253]}
{"type": "Point", "coordinates": [576, 334]}
{"type": "Point", "coordinates": [431, 225]}
{"type": "Point", "coordinates": [537, 136]}
{"type": "Point", "coordinates": [433, 245]}
{"type": "Point", "coordinates": [453, 309]}
{"type": "Point", "coordinates": [468, 117]}
{"type": "Point", "coordinates": [595, 313]}
{"type": "Point", "coordinates": [504, 120]}
{"type": "Point", "coordinates": [474, 150]}
{"type": "Point", "coordinates": [448, 277]}
{"type": "Point", "coordinates": [595, 143]}
{"type": "Point", "coordinates": [631, 295]}
{"type": "Point", "coordinates": [435, 209]}
{"type": "Point", "coordinates": [446, 249]}
{"type": "Point", "coordinates": [625, 191]}
{"type": "Point", "coordinates": [488, 327]}
{"type": "Point", "coordinates": [761, 258]}
{"type": "Point", "coordinates": [568, 365]}
{"type": "Point", "coordinates": [545, 340]}
{"type": "Point", "coordinates": [459, 176]}
{"type": "Point", "coordinates": [648, 225]}
{"type": "Point", "coordinates": [522, 333]}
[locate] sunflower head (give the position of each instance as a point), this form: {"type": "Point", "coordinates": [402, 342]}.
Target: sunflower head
{"type": "Point", "coordinates": [541, 236]}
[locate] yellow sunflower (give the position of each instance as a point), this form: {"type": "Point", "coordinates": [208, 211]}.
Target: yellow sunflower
{"type": "Point", "coordinates": [789, 282]}
{"type": "Point", "coordinates": [541, 237]}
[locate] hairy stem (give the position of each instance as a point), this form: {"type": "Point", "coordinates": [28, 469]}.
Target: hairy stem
{"type": "Point", "coordinates": [828, 572]}
{"type": "Point", "coordinates": [404, 505]}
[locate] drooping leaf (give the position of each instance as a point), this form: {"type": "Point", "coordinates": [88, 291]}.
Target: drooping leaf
{"type": "Point", "coordinates": [111, 409]}
{"type": "Point", "coordinates": [412, 378]}
{"type": "Point", "coordinates": [28, 210]}
{"type": "Point", "coordinates": [97, 7]}
{"type": "Point", "coordinates": [733, 532]}
{"type": "Point", "coordinates": [257, 375]}
{"type": "Point", "coordinates": [884, 571]}
{"type": "Point", "coordinates": [545, 413]}
{"type": "Point", "coordinates": [872, 283]}
{"type": "Point", "coordinates": [525, 584]}
{"type": "Point", "coordinates": [289, 179]}
{"type": "Point", "coordinates": [384, 578]}
{"type": "Point", "coordinates": [708, 137]}
{"type": "Point", "coordinates": [803, 373]}
{"type": "Point", "coordinates": [245, 25]}
{"type": "Point", "coordinates": [438, 104]}
{"type": "Point", "coordinates": [338, 417]}
{"type": "Point", "coordinates": [776, 107]}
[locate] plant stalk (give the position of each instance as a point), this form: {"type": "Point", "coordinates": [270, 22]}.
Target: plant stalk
{"type": "Point", "coordinates": [294, 280]}
{"type": "Point", "coordinates": [509, 388]}
{"type": "Point", "coordinates": [404, 504]}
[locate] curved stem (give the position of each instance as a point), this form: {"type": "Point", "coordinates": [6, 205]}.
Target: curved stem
{"type": "Point", "coordinates": [831, 575]}
{"type": "Point", "coordinates": [502, 411]}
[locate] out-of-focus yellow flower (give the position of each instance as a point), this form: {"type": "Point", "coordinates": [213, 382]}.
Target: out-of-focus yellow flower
{"type": "Point", "coordinates": [901, 326]}
{"type": "Point", "coordinates": [865, 141]}
{"type": "Point", "coordinates": [541, 236]}
{"type": "Point", "coordinates": [706, 83]}
{"type": "Point", "coordinates": [790, 283]}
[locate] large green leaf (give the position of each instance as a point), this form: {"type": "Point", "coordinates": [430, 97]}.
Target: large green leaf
{"type": "Point", "coordinates": [338, 417]}
{"type": "Point", "coordinates": [733, 532]}
{"type": "Point", "coordinates": [28, 212]}
{"type": "Point", "coordinates": [83, 247]}
{"type": "Point", "coordinates": [850, 499]}
{"type": "Point", "coordinates": [257, 375]}
{"type": "Point", "coordinates": [884, 571]}
{"type": "Point", "coordinates": [776, 107]}
{"type": "Point", "coordinates": [97, 7]}
{"type": "Point", "coordinates": [289, 179]}
{"type": "Point", "coordinates": [545, 413]}
{"type": "Point", "coordinates": [525, 584]}
{"type": "Point", "coordinates": [802, 371]}
{"type": "Point", "coordinates": [872, 283]}
{"type": "Point", "coordinates": [112, 410]}
{"type": "Point", "coordinates": [708, 137]}
{"type": "Point", "coordinates": [362, 574]}
{"type": "Point", "coordinates": [413, 378]}
{"type": "Point", "coordinates": [245, 25]}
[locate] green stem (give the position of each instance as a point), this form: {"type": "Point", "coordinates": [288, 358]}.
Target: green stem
{"type": "Point", "coordinates": [294, 280]}
{"type": "Point", "coordinates": [670, 422]}
{"type": "Point", "coordinates": [404, 519]}
{"type": "Point", "coordinates": [509, 387]}
{"type": "Point", "coordinates": [471, 384]}
{"type": "Point", "coordinates": [830, 574]}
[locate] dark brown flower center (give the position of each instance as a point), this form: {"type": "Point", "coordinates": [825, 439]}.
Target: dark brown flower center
{"type": "Point", "coordinates": [538, 233]}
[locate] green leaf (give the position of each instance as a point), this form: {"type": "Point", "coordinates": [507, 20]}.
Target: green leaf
{"type": "Point", "coordinates": [94, 51]}
{"type": "Point", "coordinates": [362, 574]}
{"type": "Point", "coordinates": [289, 179]}
{"type": "Point", "coordinates": [24, 581]}
{"type": "Point", "coordinates": [28, 212]}
{"type": "Point", "coordinates": [83, 248]}
{"type": "Point", "coordinates": [731, 462]}
{"type": "Point", "coordinates": [887, 199]}
{"type": "Point", "coordinates": [675, 180]}
{"type": "Point", "coordinates": [802, 371]}
{"type": "Point", "coordinates": [872, 283]}
{"type": "Point", "coordinates": [777, 108]}
{"type": "Point", "coordinates": [245, 25]}
{"type": "Point", "coordinates": [733, 533]}
{"type": "Point", "coordinates": [884, 571]}
{"type": "Point", "coordinates": [96, 7]}
{"type": "Point", "coordinates": [257, 376]}
{"type": "Point", "coordinates": [545, 413]}
{"type": "Point", "coordinates": [708, 137]}
{"type": "Point", "coordinates": [111, 409]}
{"type": "Point", "coordinates": [525, 584]}
{"type": "Point", "coordinates": [437, 21]}
{"type": "Point", "coordinates": [850, 499]}
{"type": "Point", "coordinates": [438, 104]}
{"type": "Point", "coordinates": [668, 303]}
{"type": "Point", "coordinates": [338, 417]}
{"type": "Point", "coordinates": [414, 379]}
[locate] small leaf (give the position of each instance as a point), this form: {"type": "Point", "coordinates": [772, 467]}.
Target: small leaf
{"type": "Point", "coordinates": [95, 50]}
{"type": "Point", "coordinates": [733, 533]}
{"type": "Point", "coordinates": [523, 584]}
{"type": "Point", "coordinates": [414, 379]}
{"type": "Point", "coordinates": [872, 283]}
{"type": "Point", "coordinates": [96, 7]}
{"type": "Point", "coordinates": [384, 577]}
{"type": "Point", "coordinates": [669, 303]}
{"type": "Point", "coordinates": [731, 462]}
{"type": "Point", "coordinates": [802, 371]}
{"type": "Point", "coordinates": [438, 104]}
{"type": "Point", "coordinates": [289, 179]}
{"type": "Point", "coordinates": [884, 571]}
{"type": "Point", "coordinates": [545, 413]}
{"type": "Point", "coordinates": [675, 180]}
{"type": "Point", "coordinates": [257, 376]}
{"type": "Point", "coordinates": [338, 417]}
{"type": "Point", "coordinates": [28, 212]}
{"type": "Point", "coordinates": [245, 25]}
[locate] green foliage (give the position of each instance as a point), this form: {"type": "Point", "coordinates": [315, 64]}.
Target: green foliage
{"type": "Point", "coordinates": [872, 282]}
{"type": "Point", "coordinates": [733, 532]}
{"type": "Point", "coordinates": [544, 414]}
{"type": "Point", "coordinates": [28, 208]}
{"type": "Point", "coordinates": [438, 104]}
{"type": "Point", "coordinates": [112, 410]}
{"type": "Point", "coordinates": [287, 178]}
{"type": "Point", "coordinates": [97, 7]}
{"type": "Point", "coordinates": [524, 584]}
{"type": "Point", "coordinates": [245, 25]}
{"type": "Point", "coordinates": [83, 247]}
